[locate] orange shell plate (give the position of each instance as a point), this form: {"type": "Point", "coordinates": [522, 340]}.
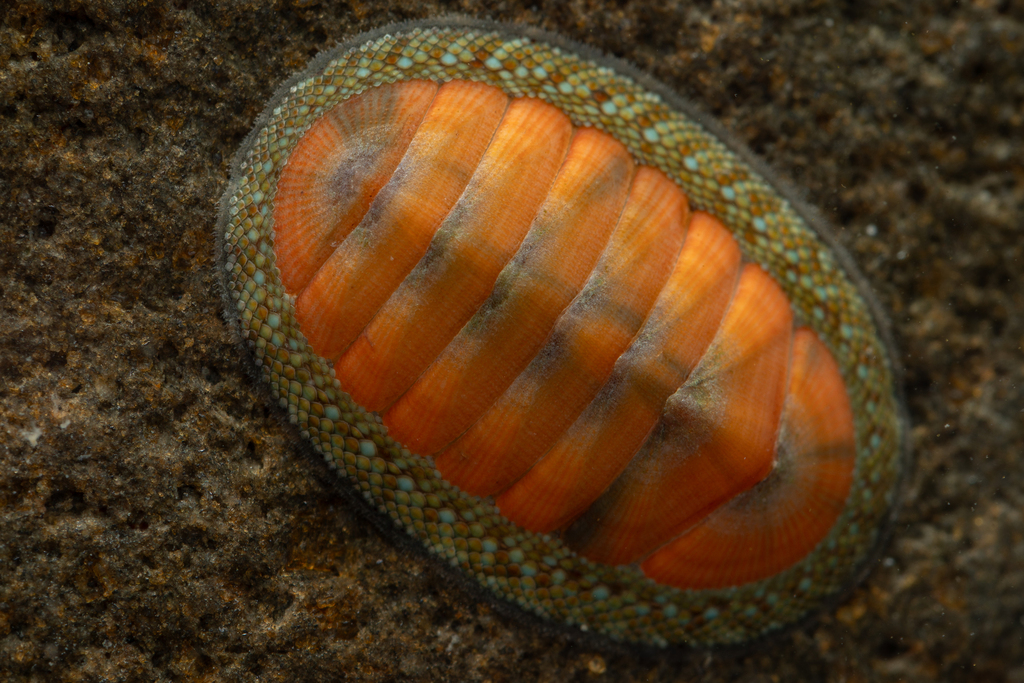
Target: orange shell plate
{"type": "Point", "coordinates": [547, 318]}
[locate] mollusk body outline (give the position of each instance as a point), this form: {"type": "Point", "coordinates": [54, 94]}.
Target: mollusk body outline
{"type": "Point", "coordinates": [541, 574]}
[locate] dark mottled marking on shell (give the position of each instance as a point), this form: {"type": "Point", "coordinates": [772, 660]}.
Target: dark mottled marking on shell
{"type": "Point", "coordinates": [542, 573]}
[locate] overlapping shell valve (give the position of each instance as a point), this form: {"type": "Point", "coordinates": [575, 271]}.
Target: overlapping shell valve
{"type": "Point", "coordinates": [562, 335]}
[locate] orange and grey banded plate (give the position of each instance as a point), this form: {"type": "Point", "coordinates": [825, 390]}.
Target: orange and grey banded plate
{"type": "Point", "coordinates": [547, 322]}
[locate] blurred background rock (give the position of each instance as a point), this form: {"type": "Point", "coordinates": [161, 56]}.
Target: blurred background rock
{"type": "Point", "coordinates": [157, 521]}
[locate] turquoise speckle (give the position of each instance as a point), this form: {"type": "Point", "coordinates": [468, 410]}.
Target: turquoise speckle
{"type": "Point", "coordinates": [804, 585]}
{"type": "Point", "coordinates": [404, 63]}
{"type": "Point", "coordinates": [448, 59]}
{"type": "Point", "coordinates": [690, 163]}
{"type": "Point", "coordinates": [447, 516]}
{"type": "Point", "coordinates": [711, 613]}
{"type": "Point", "coordinates": [609, 108]}
{"type": "Point", "coordinates": [729, 193]}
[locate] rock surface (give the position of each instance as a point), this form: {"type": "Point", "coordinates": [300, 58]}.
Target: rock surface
{"type": "Point", "coordinates": [158, 523]}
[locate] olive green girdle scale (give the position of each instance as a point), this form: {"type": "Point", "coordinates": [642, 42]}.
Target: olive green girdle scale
{"type": "Point", "coordinates": [537, 571]}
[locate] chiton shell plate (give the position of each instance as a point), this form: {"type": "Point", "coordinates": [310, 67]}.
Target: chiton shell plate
{"type": "Point", "coordinates": [563, 335]}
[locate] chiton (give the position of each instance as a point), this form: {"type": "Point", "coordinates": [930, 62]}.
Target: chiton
{"type": "Point", "coordinates": [525, 303]}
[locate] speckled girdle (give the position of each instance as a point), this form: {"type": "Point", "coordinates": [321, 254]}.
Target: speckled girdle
{"type": "Point", "coordinates": [537, 571]}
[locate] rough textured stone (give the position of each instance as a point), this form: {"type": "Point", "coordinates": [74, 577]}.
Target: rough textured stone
{"type": "Point", "coordinates": [159, 524]}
